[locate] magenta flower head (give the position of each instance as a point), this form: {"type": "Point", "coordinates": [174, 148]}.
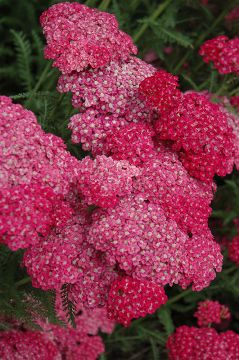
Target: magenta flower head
{"type": "Point", "coordinates": [79, 37]}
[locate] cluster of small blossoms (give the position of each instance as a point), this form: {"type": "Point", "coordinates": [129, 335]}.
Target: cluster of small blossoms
{"type": "Point", "coordinates": [149, 226]}
{"type": "Point", "coordinates": [147, 245]}
{"type": "Point", "coordinates": [27, 345]}
{"type": "Point", "coordinates": [191, 343]}
{"type": "Point", "coordinates": [145, 295]}
{"type": "Point", "coordinates": [110, 100]}
{"type": "Point", "coordinates": [198, 129]}
{"type": "Point", "coordinates": [30, 156]}
{"type": "Point", "coordinates": [28, 212]}
{"type": "Point", "coordinates": [223, 52]}
{"type": "Point", "coordinates": [54, 342]}
{"type": "Point", "coordinates": [233, 250]}
{"type": "Point", "coordinates": [137, 232]}
{"type": "Point", "coordinates": [78, 37]}
{"type": "Point", "coordinates": [104, 180]}
{"type": "Point", "coordinates": [211, 312]}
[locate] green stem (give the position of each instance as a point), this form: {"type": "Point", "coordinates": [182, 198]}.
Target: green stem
{"type": "Point", "coordinates": [179, 296]}
{"type": "Point", "coordinates": [104, 5]}
{"type": "Point", "coordinates": [235, 92]}
{"type": "Point", "coordinates": [153, 17]}
{"type": "Point", "coordinates": [23, 281]}
{"type": "Point", "coordinates": [229, 270]}
{"type": "Point", "coordinates": [42, 77]}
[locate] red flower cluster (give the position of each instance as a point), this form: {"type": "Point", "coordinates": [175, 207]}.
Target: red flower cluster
{"type": "Point", "coordinates": [211, 312]}
{"type": "Point", "coordinates": [191, 343]}
{"type": "Point", "coordinates": [223, 52]}
{"type": "Point", "coordinates": [145, 295]}
{"type": "Point", "coordinates": [198, 129]}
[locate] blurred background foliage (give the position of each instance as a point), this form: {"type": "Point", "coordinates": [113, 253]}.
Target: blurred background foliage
{"type": "Point", "coordinates": [168, 34]}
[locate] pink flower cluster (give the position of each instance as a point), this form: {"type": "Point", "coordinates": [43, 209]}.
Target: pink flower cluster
{"type": "Point", "coordinates": [104, 180]}
{"type": "Point", "coordinates": [54, 342]}
{"type": "Point", "coordinates": [28, 212]}
{"type": "Point", "coordinates": [27, 345]}
{"type": "Point", "coordinates": [78, 37]}
{"type": "Point", "coordinates": [145, 295]}
{"type": "Point", "coordinates": [223, 52]}
{"type": "Point", "coordinates": [211, 312]}
{"type": "Point", "coordinates": [149, 225]}
{"type": "Point", "coordinates": [191, 343]}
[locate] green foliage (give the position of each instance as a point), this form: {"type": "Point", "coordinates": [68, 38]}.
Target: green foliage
{"type": "Point", "coordinates": [23, 59]}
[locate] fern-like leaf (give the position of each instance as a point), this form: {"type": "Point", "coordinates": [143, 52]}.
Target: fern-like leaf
{"type": "Point", "coordinates": [23, 58]}
{"type": "Point", "coordinates": [165, 318]}
{"type": "Point", "coordinates": [68, 306]}
{"type": "Point", "coordinates": [172, 36]}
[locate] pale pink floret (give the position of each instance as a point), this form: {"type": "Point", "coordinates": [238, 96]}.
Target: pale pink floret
{"type": "Point", "coordinates": [27, 345]}
{"type": "Point", "coordinates": [55, 260]}
{"type": "Point", "coordinates": [191, 343]}
{"type": "Point", "coordinates": [28, 155]}
{"type": "Point", "coordinates": [78, 37]}
{"type": "Point", "coordinates": [103, 180]}
{"type": "Point", "coordinates": [211, 312]}
{"type": "Point", "coordinates": [130, 299]}
{"type": "Point", "coordinates": [223, 52]}
{"type": "Point", "coordinates": [28, 212]}
{"type": "Point", "coordinates": [148, 246]}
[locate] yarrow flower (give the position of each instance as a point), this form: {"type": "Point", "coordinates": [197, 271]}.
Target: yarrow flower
{"type": "Point", "coordinates": [191, 343]}
{"type": "Point", "coordinates": [28, 212]}
{"type": "Point", "coordinates": [130, 299]}
{"type": "Point", "coordinates": [103, 180]}
{"type": "Point", "coordinates": [223, 52]}
{"type": "Point", "coordinates": [233, 250]}
{"type": "Point", "coordinates": [133, 142]}
{"type": "Point", "coordinates": [53, 261]}
{"type": "Point", "coordinates": [78, 37]}
{"type": "Point", "coordinates": [109, 100]}
{"type": "Point", "coordinates": [160, 90]}
{"type": "Point", "coordinates": [200, 132]}
{"type": "Point", "coordinates": [27, 345]}
{"type": "Point", "coordinates": [28, 155]}
{"type": "Point", "coordinates": [211, 312]}
{"type": "Point", "coordinates": [147, 245]}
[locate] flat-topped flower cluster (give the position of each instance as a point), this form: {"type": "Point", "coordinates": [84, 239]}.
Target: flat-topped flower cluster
{"type": "Point", "coordinates": [132, 217]}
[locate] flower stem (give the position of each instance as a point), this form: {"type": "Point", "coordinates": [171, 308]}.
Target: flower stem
{"type": "Point", "coordinates": [23, 281]}
{"type": "Point", "coordinates": [153, 17]}
{"type": "Point", "coordinates": [178, 297]}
